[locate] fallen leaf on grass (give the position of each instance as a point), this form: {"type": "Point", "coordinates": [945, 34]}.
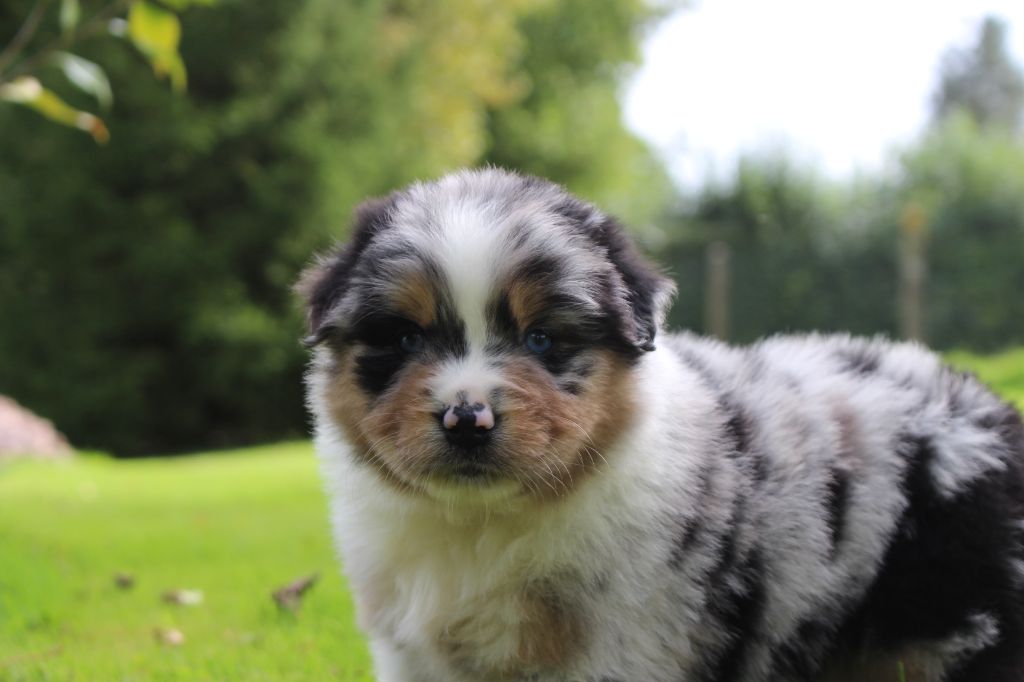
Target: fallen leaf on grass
{"type": "Point", "coordinates": [289, 597]}
{"type": "Point", "coordinates": [169, 636]}
{"type": "Point", "coordinates": [124, 581]}
{"type": "Point", "coordinates": [183, 597]}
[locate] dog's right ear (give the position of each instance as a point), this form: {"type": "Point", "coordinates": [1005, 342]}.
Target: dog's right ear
{"type": "Point", "coordinates": [322, 284]}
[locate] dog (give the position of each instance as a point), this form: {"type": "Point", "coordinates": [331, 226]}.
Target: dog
{"type": "Point", "coordinates": [530, 481]}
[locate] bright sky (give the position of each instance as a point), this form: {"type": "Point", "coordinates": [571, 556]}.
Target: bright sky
{"type": "Point", "coordinates": [844, 81]}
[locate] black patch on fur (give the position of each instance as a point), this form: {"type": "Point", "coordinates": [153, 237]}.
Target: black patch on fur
{"type": "Point", "coordinates": [727, 547]}
{"type": "Point", "coordinates": [502, 320]}
{"type": "Point", "coordinates": [860, 359]}
{"type": "Point", "coordinates": [540, 268]}
{"type": "Point", "coordinates": [739, 431]}
{"type": "Point", "coordinates": [376, 370]}
{"type": "Point", "coordinates": [572, 387]}
{"type": "Point", "coordinates": [738, 428]}
{"type": "Point", "coordinates": [801, 657]}
{"type": "Point", "coordinates": [736, 605]}
{"type": "Point", "coordinates": [948, 559]}
{"type": "Point", "coordinates": [446, 337]}
{"type": "Point", "coordinates": [837, 499]}
{"type": "Point", "coordinates": [559, 359]}
{"type": "Point", "coordinates": [382, 358]}
{"type": "Point", "coordinates": [378, 364]}
{"type": "Point", "coordinates": [690, 528]}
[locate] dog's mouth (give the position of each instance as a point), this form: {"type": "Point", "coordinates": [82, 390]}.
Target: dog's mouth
{"type": "Point", "coordinates": [474, 472]}
{"type": "Point", "coordinates": [470, 480]}
{"type": "Point", "coordinates": [479, 468]}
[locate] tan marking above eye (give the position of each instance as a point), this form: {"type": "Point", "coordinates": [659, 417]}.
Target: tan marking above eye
{"type": "Point", "coordinates": [414, 296]}
{"type": "Point", "coordinates": [526, 301]}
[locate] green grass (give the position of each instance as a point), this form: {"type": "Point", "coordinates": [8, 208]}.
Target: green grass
{"type": "Point", "coordinates": [234, 525]}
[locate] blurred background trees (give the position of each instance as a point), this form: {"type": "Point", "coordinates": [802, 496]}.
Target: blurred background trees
{"type": "Point", "coordinates": [145, 300]}
{"type": "Point", "coordinates": [145, 285]}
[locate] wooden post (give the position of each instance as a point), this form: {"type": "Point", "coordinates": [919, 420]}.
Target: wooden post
{"type": "Point", "coordinates": [913, 271]}
{"type": "Point", "coordinates": [716, 290]}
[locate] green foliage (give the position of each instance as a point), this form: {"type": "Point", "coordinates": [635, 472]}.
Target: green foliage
{"type": "Point", "coordinates": [150, 279]}
{"type": "Point", "coordinates": [234, 525]}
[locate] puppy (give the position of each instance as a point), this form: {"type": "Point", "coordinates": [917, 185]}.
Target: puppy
{"type": "Point", "coordinates": [529, 481]}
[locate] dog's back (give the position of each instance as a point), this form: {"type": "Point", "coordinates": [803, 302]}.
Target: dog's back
{"type": "Point", "coordinates": [884, 516]}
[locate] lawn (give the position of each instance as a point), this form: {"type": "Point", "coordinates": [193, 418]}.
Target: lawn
{"type": "Point", "coordinates": [234, 525]}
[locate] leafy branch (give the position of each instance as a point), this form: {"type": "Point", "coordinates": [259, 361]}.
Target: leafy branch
{"type": "Point", "coordinates": [154, 29]}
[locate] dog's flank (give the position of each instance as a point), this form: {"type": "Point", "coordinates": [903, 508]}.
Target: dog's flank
{"type": "Point", "coordinates": [530, 481]}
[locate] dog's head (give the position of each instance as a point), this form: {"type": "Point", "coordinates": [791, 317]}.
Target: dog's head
{"type": "Point", "coordinates": [478, 334]}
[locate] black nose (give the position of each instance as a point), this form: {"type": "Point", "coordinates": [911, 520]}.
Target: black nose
{"type": "Point", "coordinates": [467, 426]}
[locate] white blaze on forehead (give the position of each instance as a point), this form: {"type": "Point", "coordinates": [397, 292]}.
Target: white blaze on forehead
{"type": "Point", "coordinates": [470, 251]}
{"type": "Point", "coordinates": [478, 225]}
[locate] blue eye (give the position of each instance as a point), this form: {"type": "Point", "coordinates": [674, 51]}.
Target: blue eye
{"type": "Point", "coordinates": [538, 341]}
{"type": "Point", "coordinates": [413, 342]}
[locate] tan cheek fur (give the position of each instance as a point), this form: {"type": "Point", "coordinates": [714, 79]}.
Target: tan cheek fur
{"type": "Point", "coordinates": [402, 426]}
{"type": "Point", "coordinates": [554, 439]}
{"type": "Point", "coordinates": [386, 434]}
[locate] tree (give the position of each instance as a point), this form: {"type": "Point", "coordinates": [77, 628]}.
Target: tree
{"type": "Point", "coordinates": [982, 81]}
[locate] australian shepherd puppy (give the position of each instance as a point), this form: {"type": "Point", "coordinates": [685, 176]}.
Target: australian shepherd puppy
{"type": "Point", "coordinates": [529, 481]}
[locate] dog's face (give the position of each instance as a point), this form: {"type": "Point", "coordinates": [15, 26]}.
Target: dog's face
{"type": "Point", "coordinates": [476, 338]}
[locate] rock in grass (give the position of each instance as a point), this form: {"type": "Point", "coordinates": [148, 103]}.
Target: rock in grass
{"type": "Point", "coordinates": [124, 581]}
{"type": "Point", "coordinates": [183, 597]}
{"type": "Point", "coordinates": [289, 597]}
{"type": "Point", "coordinates": [24, 433]}
{"type": "Point", "coordinates": [169, 636]}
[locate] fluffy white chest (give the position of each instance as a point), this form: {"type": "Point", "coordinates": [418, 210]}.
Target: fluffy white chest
{"type": "Point", "coordinates": [483, 596]}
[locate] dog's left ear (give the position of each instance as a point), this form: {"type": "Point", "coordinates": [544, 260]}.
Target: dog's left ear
{"type": "Point", "coordinates": [638, 302]}
{"type": "Point", "coordinates": [648, 292]}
